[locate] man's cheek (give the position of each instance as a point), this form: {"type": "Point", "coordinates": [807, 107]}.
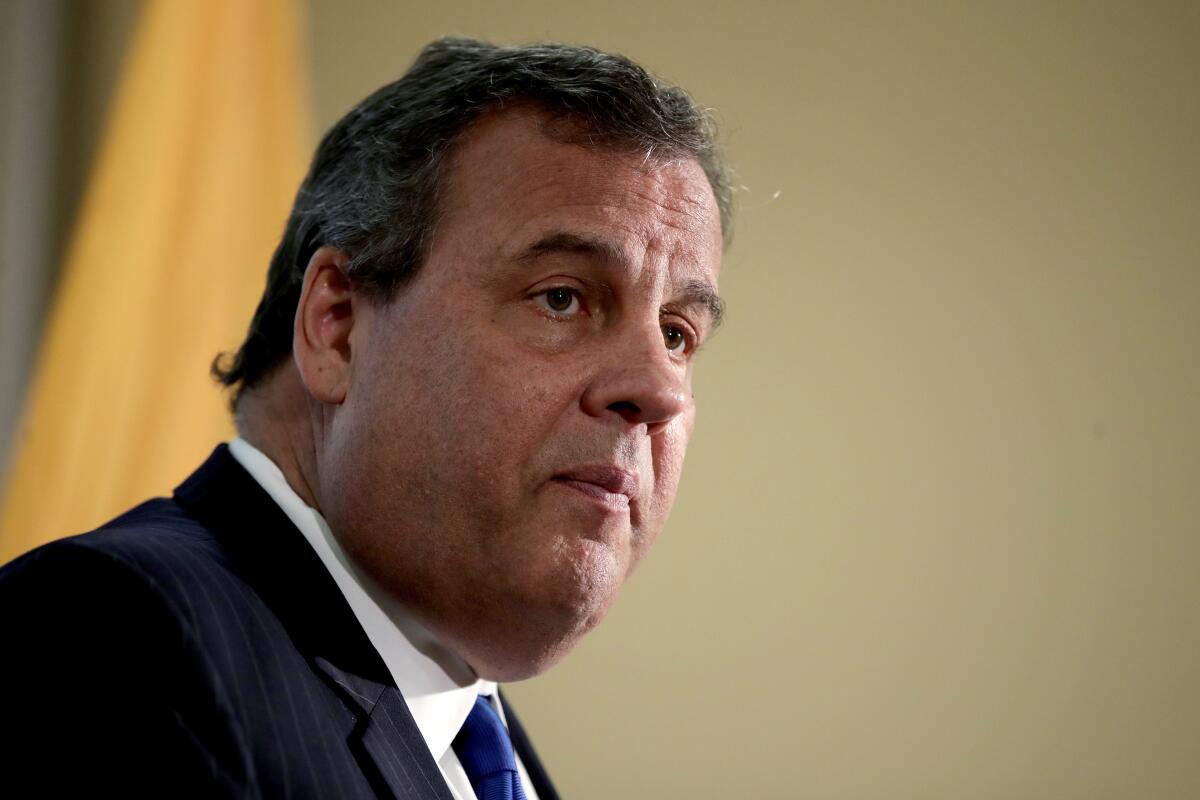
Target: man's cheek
{"type": "Point", "coordinates": [668, 449]}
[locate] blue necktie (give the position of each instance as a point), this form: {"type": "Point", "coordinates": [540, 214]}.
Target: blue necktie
{"type": "Point", "coordinates": [486, 754]}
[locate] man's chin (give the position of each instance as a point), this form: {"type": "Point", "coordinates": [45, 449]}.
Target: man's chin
{"type": "Point", "coordinates": [510, 660]}
{"type": "Point", "coordinates": [537, 636]}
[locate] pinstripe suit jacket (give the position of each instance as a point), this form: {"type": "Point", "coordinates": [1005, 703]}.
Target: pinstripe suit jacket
{"type": "Point", "coordinates": [196, 646]}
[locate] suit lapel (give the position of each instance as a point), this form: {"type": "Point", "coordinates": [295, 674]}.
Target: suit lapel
{"type": "Point", "coordinates": [266, 550]}
{"type": "Point", "coordinates": [387, 736]}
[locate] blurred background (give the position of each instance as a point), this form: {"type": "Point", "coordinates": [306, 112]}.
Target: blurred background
{"type": "Point", "coordinates": [939, 534]}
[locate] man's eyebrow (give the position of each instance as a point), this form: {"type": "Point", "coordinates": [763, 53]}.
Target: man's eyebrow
{"type": "Point", "coordinates": [693, 293]}
{"type": "Point", "coordinates": [701, 293]}
{"type": "Point", "coordinates": [572, 243]}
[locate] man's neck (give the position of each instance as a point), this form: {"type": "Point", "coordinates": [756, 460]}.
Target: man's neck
{"type": "Point", "coordinates": [276, 419]}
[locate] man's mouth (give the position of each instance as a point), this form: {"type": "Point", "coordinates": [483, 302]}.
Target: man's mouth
{"type": "Point", "coordinates": [607, 484]}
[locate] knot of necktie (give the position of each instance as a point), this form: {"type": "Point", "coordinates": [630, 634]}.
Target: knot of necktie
{"type": "Point", "coordinates": [486, 754]}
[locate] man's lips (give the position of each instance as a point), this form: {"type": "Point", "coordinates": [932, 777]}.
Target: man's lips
{"type": "Point", "coordinates": [608, 484]}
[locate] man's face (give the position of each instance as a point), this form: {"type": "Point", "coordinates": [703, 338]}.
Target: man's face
{"type": "Point", "coordinates": [512, 438]}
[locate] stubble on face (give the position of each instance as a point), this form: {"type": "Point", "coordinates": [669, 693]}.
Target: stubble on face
{"type": "Point", "coordinates": [471, 400]}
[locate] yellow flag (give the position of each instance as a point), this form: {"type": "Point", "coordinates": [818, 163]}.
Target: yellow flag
{"type": "Point", "coordinates": [207, 140]}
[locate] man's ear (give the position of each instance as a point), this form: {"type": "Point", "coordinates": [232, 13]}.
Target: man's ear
{"type": "Point", "coordinates": [325, 316]}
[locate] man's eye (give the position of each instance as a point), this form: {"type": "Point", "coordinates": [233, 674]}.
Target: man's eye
{"type": "Point", "coordinates": [675, 338]}
{"type": "Point", "coordinates": [560, 300]}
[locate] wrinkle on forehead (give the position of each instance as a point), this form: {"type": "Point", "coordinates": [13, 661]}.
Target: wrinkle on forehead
{"type": "Point", "coordinates": [568, 129]}
{"type": "Point", "coordinates": [654, 215]}
{"type": "Point", "coordinates": [661, 197]}
{"type": "Point", "coordinates": [504, 137]}
{"type": "Point", "coordinates": [688, 204]}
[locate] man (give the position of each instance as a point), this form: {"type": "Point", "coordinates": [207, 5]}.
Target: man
{"type": "Point", "coordinates": [462, 407]}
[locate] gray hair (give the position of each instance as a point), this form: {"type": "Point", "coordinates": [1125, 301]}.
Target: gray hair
{"type": "Point", "coordinates": [372, 188]}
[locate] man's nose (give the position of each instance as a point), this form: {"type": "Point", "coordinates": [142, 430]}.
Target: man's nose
{"type": "Point", "coordinates": [640, 383]}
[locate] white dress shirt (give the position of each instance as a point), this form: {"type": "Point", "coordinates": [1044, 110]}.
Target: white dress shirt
{"type": "Point", "coordinates": [439, 687]}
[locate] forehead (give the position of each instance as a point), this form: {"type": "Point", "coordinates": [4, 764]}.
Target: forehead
{"type": "Point", "coordinates": [514, 176]}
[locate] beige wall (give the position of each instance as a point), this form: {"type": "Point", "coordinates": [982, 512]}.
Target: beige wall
{"type": "Point", "coordinates": [940, 531]}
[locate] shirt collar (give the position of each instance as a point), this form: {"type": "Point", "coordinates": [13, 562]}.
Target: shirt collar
{"type": "Point", "coordinates": [438, 686]}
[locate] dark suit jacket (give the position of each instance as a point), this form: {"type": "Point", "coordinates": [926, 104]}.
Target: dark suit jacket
{"type": "Point", "coordinates": [196, 646]}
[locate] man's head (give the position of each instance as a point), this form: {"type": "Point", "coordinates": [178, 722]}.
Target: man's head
{"type": "Point", "coordinates": [494, 282]}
